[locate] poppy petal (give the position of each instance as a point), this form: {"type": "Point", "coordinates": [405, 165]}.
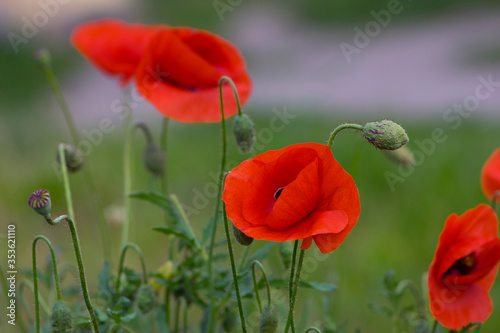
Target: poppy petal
{"type": "Point", "coordinates": [490, 175]}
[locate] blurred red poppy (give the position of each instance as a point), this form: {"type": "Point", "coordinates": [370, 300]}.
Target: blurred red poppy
{"type": "Point", "coordinates": [180, 71]}
{"type": "Point", "coordinates": [464, 268]}
{"type": "Point", "coordinates": [176, 69]}
{"type": "Point", "coordinates": [490, 175]}
{"type": "Point", "coordinates": [298, 192]}
{"type": "Point", "coordinates": [113, 46]}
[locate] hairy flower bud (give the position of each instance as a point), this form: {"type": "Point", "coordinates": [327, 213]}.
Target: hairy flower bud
{"type": "Point", "coordinates": [40, 202]}
{"type": "Point", "coordinates": [241, 237]}
{"type": "Point", "coordinates": [268, 322]}
{"type": "Point", "coordinates": [154, 159]}
{"type": "Point", "coordinates": [244, 132]}
{"type": "Point", "coordinates": [401, 155]}
{"type": "Point", "coordinates": [61, 319]}
{"type": "Point", "coordinates": [385, 134]}
{"type": "Point", "coordinates": [74, 159]}
{"type": "Point", "coordinates": [145, 298]}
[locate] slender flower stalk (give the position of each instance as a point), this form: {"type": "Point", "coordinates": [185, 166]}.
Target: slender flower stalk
{"type": "Point", "coordinates": [340, 128]}
{"type": "Point", "coordinates": [255, 285]}
{"type": "Point", "coordinates": [292, 272]}
{"type": "Point", "coordinates": [177, 315]}
{"type": "Point", "coordinates": [35, 276]}
{"type": "Point", "coordinates": [434, 326]}
{"type": "Point", "coordinates": [233, 268]}
{"type": "Point", "coordinates": [122, 261]}
{"type": "Point", "coordinates": [294, 293]}
{"type": "Point", "coordinates": [43, 304]}
{"type": "Point", "coordinates": [43, 57]}
{"type": "Point", "coordinates": [163, 144]}
{"type": "Point", "coordinates": [218, 200]}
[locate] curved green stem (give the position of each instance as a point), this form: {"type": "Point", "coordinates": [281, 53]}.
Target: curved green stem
{"type": "Point", "coordinates": [340, 128]}
{"type": "Point", "coordinates": [35, 276]}
{"type": "Point", "coordinates": [256, 287]}
{"type": "Point", "coordinates": [294, 297]}
{"type": "Point", "coordinates": [218, 200]}
{"type": "Point", "coordinates": [233, 269]}
{"type": "Point", "coordinates": [79, 261]}
{"type": "Point", "coordinates": [122, 260]}
{"type": "Point", "coordinates": [75, 135]}
{"type": "Point", "coordinates": [312, 329]}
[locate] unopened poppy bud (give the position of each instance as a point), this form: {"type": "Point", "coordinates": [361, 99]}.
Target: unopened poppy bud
{"type": "Point", "coordinates": [145, 298]}
{"type": "Point", "coordinates": [43, 58]}
{"type": "Point", "coordinates": [401, 155]}
{"type": "Point", "coordinates": [62, 320]}
{"type": "Point", "coordinates": [154, 159]}
{"type": "Point", "coordinates": [241, 237]}
{"type": "Point", "coordinates": [244, 132]}
{"type": "Point", "coordinates": [40, 202]}
{"type": "Point", "coordinates": [385, 134]}
{"type": "Point", "coordinates": [74, 159]}
{"type": "Point", "coordinates": [286, 249]}
{"type": "Point", "coordinates": [268, 322]}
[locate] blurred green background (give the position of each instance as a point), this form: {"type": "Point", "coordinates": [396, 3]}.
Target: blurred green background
{"type": "Point", "coordinates": [398, 229]}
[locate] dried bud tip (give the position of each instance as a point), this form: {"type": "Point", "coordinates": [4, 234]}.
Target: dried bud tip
{"type": "Point", "coordinates": [244, 133]}
{"type": "Point", "coordinates": [241, 237]}
{"type": "Point", "coordinates": [62, 320]}
{"type": "Point", "coordinates": [385, 134]}
{"type": "Point", "coordinates": [268, 322]}
{"type": "Point", "coordinates": [40, 202]}
{"type": "Point", "coordinates": [154, 159]}
{"type": "Point", "coordinates": [401, 155]}
{"type": "Point", "coordinates": [73, 157]}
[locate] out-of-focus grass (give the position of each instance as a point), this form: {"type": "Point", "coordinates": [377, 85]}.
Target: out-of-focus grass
{"type": "Point", "coordinates": [397, 229]}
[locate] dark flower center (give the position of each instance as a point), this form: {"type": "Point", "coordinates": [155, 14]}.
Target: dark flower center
{"type": "Point", "coordinates": [463, 266]}
{"type": "Point", "coordinates": [278, 193]}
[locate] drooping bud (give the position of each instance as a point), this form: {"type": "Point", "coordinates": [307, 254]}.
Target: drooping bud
{"type": "Point", "coordinates": [61, 319]}
{"type": "Point", "coordinates": [385, 134]}
{"type": "Point", "coordinates": [154, 159]}
{"type": "Point", "coordinates": [74, 159]}
{"type": "Point", "coordinates": [241, 237]}
{"type": "Point", "coordinates": [244, 132]}
{"type": "Point", "coordinates": [40, 202]}
{"type": "Point", "coordinates": [145, 298]}
{"type": "Point", "coordinates": [286, 249]}
{"type": "Point", "coordinates": [401, 155]}
{"type": "Point", "coordinates": [268, 322]}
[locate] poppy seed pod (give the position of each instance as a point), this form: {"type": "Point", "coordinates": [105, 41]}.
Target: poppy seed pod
{"type": "Point", "coordinates": [154, 159]}
{"type": "Point", "coordinates": [401, 155]}
{"type": "Point", "coordinates": [74, 159]}
{"type": "Point", "coordinates": [62, 320]}
{"type": "Point", "coordinates": [244, 132]}
{"type": "Point", "coordinates": [385, 134]}
{"type": "Point", "coordinates": [145, 298]}
{"type": "Point", "coordinates": [241, 237]}
{"type": "Point", "coordinates": [268, 322]}
{"type": "Point", "coordinates": [40, 202]}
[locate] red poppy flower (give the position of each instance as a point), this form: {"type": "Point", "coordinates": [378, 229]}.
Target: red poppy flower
{"type": "Point", "coordinates": [298, 192]}
{"type": "Point", "coordinates": [464, 268]}
{"type": "Point", "coordinates": [490, 175]}
{"type": "Point", "coordinates": [113, 46]}
{"type": "Point", "coordinates": [176, 69]}
{"type": "Point", "coordinates": [180, 71]}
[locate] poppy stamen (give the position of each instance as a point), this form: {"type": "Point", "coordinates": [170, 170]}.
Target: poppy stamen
{"type": "Point", "coordinates": [463, 266]}
{"type": "Point", "coordinates": [278, 193]}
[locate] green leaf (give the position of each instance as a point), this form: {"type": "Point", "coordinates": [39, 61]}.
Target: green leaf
{"type": "Point", "coordinates": [175, 232]}
{"type": "Point", "coordinates": [324, 287]}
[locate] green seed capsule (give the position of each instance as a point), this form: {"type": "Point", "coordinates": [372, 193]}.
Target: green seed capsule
{"type": "Point", "coordinates": [62, 320]}
{"type": "Point", "coordinates": [244, 132]}
{"type": "Point", "coordinates": [268, 322]}
{"type": "Point", "coordinates": [145, 298]}
{"type": "Point", "coordinates": [154, 159]}
{"type": "Point", "coordinates": [385, 134]}
{"type": "Point", "coordinates": [40, 202]}
{"type": "Point", "coordinates": [241, 237]}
